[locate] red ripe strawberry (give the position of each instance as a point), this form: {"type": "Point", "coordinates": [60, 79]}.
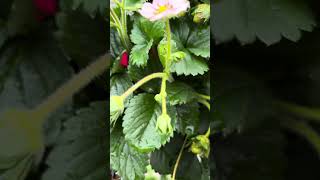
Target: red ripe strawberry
{"type": "Point", "coordinates": [45, 8]}
{"type": "Point", "coordinates": [124, 61]}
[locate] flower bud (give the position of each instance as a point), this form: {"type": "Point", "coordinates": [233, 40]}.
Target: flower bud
{"type": "Point", "coordinates": [158, 98]}
{"type": "Point", "coordinates": [116, 108]}
{"type": "Point", "coordinates": [201, 145]}
{"type": "Point", "coordinates": [202, 13]}
{"type": "Point", "coordinates": [164, 124]}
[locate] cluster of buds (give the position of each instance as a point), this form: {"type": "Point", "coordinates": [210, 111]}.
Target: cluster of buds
{"type": "Point", "coordinates": [201, 145]}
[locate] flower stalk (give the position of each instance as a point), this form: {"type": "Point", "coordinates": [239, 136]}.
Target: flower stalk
{"type": "Point", "coordinates": [60, 96]}
{"type": "Point", "coordinates": [141, 82]}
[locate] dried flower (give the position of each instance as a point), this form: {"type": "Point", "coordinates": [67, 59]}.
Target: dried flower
{"type": "Point", "coordinates": [160, 9]}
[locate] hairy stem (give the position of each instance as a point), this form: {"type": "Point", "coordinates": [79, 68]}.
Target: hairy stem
{"type": "Point", "coordinates": [66, 91]}
{"type": "Point", "coordinates": [178, 159]}
{"type": "Point", "coordinates": [163, 95]}
{"type": "Point", "coordinates": [168, 33]}
{"type": "Point", "coordinates": [141, 82]}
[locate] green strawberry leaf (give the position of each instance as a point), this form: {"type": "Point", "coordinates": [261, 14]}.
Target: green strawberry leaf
{"type": "Point", "coordinates": [144, 34]}
{"type": "Point", "coordinates": [163, 160]}
{"type": "Point", "coordinates": [190, 65]}
{"type": "Point", "coordinates": [129, 163]}
{"type": "Point", "coordinates": [81, 149]}
{"type": "Point", "coordinates": [133, 5]}
{"type": "Point", "coordinates": [195, 44]}
{"type": "Point", "coordinates": [83, 38]}
{"type": "Point", "coordinates": [266, 20]}
{"type": "Point", "coordinates": [120, 83]}
{"type": "Point", "coordinates": [92, 7]}
{"type": "Point", "coordinates": [140, 54]}
{"type": "Point", "coordinates": [139, 123]}
{"type": "Point", "coordinates": [199, 42]}
{"type": "Point", "coordinates": [188, 120]}
{"type": "Point", "coordinates": [180, 93]}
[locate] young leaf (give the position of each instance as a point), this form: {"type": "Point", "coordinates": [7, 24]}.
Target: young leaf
{"type": "Point", "coordinates": [139, 123]}
{"type": "Point", "coordinates": [144, 34]}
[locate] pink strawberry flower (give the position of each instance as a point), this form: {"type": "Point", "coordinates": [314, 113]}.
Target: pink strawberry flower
{"type": "Point", "coordinates": [124, 61]}
{"type": "Point", "coordinates": [160, 9]}
{"type": "Point", "coordinates": [45, 8]}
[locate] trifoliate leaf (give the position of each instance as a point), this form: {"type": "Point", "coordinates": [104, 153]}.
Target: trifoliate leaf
{"type": "Point", "coordinates": [143, 35]}
{"type": "Point", "coordinates": [139, 123]}
{"type": "Point", "coordinates": [180, 93]}
{"type": "Point", "coordinates": [264, 19]}
{"type": "Point", "coordinates": [128, 163]}
{"type": "Point", "coordinates": [92, 7]}
{"type": "Point", "coordinates": [82, 148]}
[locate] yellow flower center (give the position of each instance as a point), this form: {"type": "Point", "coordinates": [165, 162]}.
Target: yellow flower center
{"type": "Point", "coordinates": [162, 9]}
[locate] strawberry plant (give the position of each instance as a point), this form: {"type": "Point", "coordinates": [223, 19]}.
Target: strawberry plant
{"type": "Point", "coordinates": [159, 86]}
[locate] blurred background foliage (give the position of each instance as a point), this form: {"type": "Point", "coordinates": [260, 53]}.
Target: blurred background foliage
{"type": "Point", "coordinates": [43, 43]}
{"type": "Point", "coordinates": [266, 86]}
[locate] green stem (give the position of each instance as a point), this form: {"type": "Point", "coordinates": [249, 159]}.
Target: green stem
{"type": "Point", "coordinates": [166, 69]}
{"type": "Point", "coordinates": [163, 95]}
{"type": "Point", "coordinates": [305, 130]}
{"type": "Point", "coordinates": [66, 91]}
{"type": "Point", "coordinates": [168, 33]}
{"type": "Point", "coordinates": [206, 97]}
{"type": "Point", "coordinates": [123, 36]}
{"type": "Point", "coordinates": [178, 159]}
{"type": "Point", "coordinates": [204, 102]}
{"type": "Point", "coordinates": [304, 112]}
{"type": "Point", "coordinates": [141, 82]}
